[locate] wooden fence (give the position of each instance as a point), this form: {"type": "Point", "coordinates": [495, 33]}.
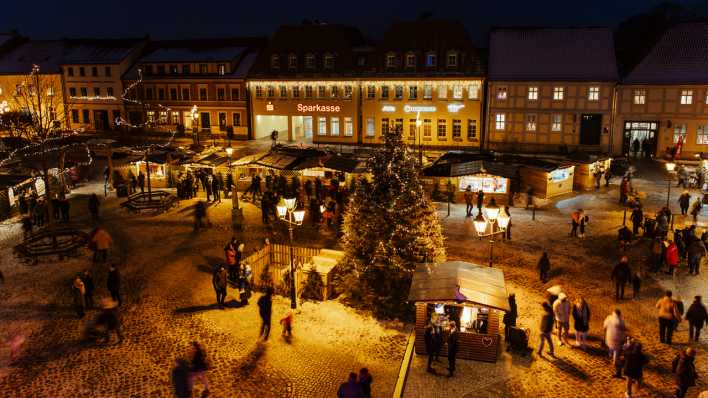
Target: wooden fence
{"type": "Point", "coordinates": [276, 259]}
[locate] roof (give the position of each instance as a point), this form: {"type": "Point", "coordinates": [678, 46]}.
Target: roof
{"type": "Point", "coordinates": [552, 54]}
{"type": "Point", "coordinates": [194, 54]}
{"type": "Point", "coordinates": [679, 57]}
{"type": "Point", "coordinates": [99, 51]}
{"type": "Point", "coordinates": [48, 54]}
{"type": "Point", "coordinates": [478, 284]}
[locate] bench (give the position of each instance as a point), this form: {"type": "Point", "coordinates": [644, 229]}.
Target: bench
{"type": "Point", "coordinates": [158, 201]}
{"type": "Point", "coordinates": [61, 241]}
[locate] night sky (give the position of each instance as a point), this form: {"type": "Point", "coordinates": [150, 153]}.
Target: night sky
{"type": "Point", "coordinates": [182, 19]}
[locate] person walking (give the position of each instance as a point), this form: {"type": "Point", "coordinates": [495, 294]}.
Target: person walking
{"type": "Point", "coordinates": [507, 234]}
{"type": "Point", "coordinates": [468, 195]}
{"type": "Point", "coordinates": [93, 207]}
{"type": "Point", "coordinates": [636, 284]}
{"type": "Point", "coordinates": [216, 189]}
{"type": "Point", "coordinates": [667, 317]}
{"type": "Point", "coordinates": [544, 267]}
{"type": "Point", "coordinates": [581, 322]}
{"type": "Point", "coordinates": [695, 251]}
{"type": "Point", "coordinates": [438, 341]}
{"type": "Point", "coordinates": [545, 330]}
{"type": "Point", "coordinates": [614, 337]}
{"type": "Point", "coordinates": [452, 348]}
{"type": "Point", "coordinates": [608, 177]}
{"type": "Point", "coordinates": [684, 200]}
{"type": "Point", "coordinates": [583, 224]}
{"type": "Point", "coordinates": [656, 258]}
{"type": "Point", "coordinates": [141, 181]}
{"type": "Point", "coordinates": [113, 283]}
{"type": "Point", "coordinates": [230, 259]}
{"type": "Point", "coordinates": [561, 312]}
{"type": "Point", "coordinates": [428, 339]}
{"type": "Point", "coordinates": [621, 274]}
{"type": "Point", "coordinates": [671, 257]}
{"type": "Point", "coordinates": [218, 280]}
{"type": "Point", "coordinates": [108, 318]}
{"type": "Point", "coordinates": [101, 240]}
{"type": "Point", "coordinates": [529, 197]}
{"type": "Point", "coordinates": [634, 363]}
{"type": "Point", "coordinates": [480, 201]}
{"type": "Point", "coordinates": [637, 217]}
{"type": "Point", "coordinates": [685, 369]}
{"type": "Point", "coordinates": [265, 310]}
{"type": "Point", "coordinates": [199, 215]}
{"type": "Point", "coordinates": [198, 368]}
{"type": "Point", "coordinates": [696, 209]}
{"type": "Point", "coordinates": [365, 380]}
{"type": "Point", "coordinates": [697, 316]}
{"type": "Point", "coordinates": [509, 318]}
{"type": "Point", "coordinates": [78, 292]}
{"type": "Point", "coordinates": [287, 323]}
{"type": "Point", "coordinates": [89, 286]}
{"type": "Point", "coordinates": [350, 388]}
{"type": "Point", "coordinates": [575, 222]}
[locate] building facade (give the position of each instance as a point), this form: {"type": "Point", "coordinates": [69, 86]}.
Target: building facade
{"type": "Point", "coordinates": [664, 99]}
{"type": "Point", "coordinates": [92, 71]}
{"type": "Point", "coordinates": [550, 90]}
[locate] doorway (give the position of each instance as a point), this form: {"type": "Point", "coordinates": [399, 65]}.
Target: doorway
{"type": "Point", "coordinates": [206, 121]}
{"type": "Point", "coordinates": [640, 130]}
{"type": "Point", "coordinates": [265, 124]}
{"type": "Point", "coordinates": [590, 128]}
{"type": "Point", "coordinates": [307, 123]}
{"type": "Point", "coordinates": [100, 119]}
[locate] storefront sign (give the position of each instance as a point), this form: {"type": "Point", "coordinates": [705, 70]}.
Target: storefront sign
{"type": "Point", "coordinates": [39, 186]}
{"type": "Point", "coordinates": [419, 108]}
{"type": "Point", "coordinates": [453, 108]}
{"type": "Point", "coordinates": [318, 108]}
{"type": "Point", "coordinates": [269, 106]}
{"type": "Point", "coordinates": [313, 173]}
{"type": "Point", "coordinates": [559, 175]}
{"type": "Point", "coordinates": [388, 108]}
{"type": "Point", "coordinates": [486, 184]}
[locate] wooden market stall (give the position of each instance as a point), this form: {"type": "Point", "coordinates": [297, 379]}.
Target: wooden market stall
{"type": "Point", "coordinates": [586, 166]}
{"type": "Point", "coordinates": [547, 178]}
{"type": "Point", "coordinates": [472, 295]}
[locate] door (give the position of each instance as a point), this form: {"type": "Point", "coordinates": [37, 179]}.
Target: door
{"type": "Point", "coordinates": [590, 128]}
{"type": "Point", "coordinates": [206, 121]}
{"type": "Point", "coordinates": [307, 122]}
{"type": "Point", "coordinates": [222, 121]}
{"type": "Point", "coordinates": [642, 131]}
{"type": "Point", "coordinates": [100, 119]}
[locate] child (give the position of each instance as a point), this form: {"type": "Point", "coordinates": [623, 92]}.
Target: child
{"type": "Point", "coordinates": [287, 323]}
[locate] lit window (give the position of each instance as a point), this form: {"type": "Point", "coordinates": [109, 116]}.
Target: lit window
{"type": "Point", "coordinates": [221, 69]}
{"type": "Point", "coordinates": [370, 127]}
{"type": "Point", "coordinates": [348, 127]}
{"type": "Point", "coordinates": [412, 128]}
{"type": "Point", "coordinates": [686, 97]}
{"type": "Point", "coordinates": [431, 60]}
{"type": "Point", "coordinates": [275, 61]}
{"type": "Point", "coordinates": [410, 60]}
{"type": "Point", "coordinates": [334, 125]}
{"type": "Point", "coordinates": [259, 92]}
{"type": "Point", "coordinates": [283, 91]}
{"type": "Point", "coordinates": [398, 90]}
{"type": "Point", "coordinates": [556, 122]}
{"type": "Point", "coordinates": [322, 125]}
{"type": "Point", "coordinates": [329, 61]}
{"type": "Point", "coordinates": [347, 92]}
{"type": "Point", "coordinates": [296, 92]}
{"type": "Point", "coordinates": [640, 97]}
{"type": "Point", "coordinates": [452, 59]}
{"type": "Point", "coordinates": [334, 91]}
{"type": "Point", "coordinates": [321, 91]}
{"type": "Point", "coordinates": [456, 128]}
{"type": "Point", "coordinates": [310, 61]}
{"type": "Point", "coordinates": [473, 91]}
{"type": "Point", "coordinates": [175, 117]}
{"type": "Point", "coordinates": [413, 92]}
{"type": "Point", "coordinates": [500, 121]}
{"type": "Point", "coordinates": [442, 91]}
{"type": "Point", "coordinates": [533, 93]}
{"type": "Point", "coordinates": [558, 93]}
{"type": "Point", "coordinates": [270, 92]}
{"type": "Point", "coordinates": [457, 91]}
{"type": "Point", "coordinates": [390, 60]}
{"type": "Point", "coordinates": [308, 91]}
{"type": "Point", "coordinates": [427, 91]}
{"type": "Point", "coordinates": [442, 129]}
{"type": "Point", "coordinates": [427, 127]}
{"type": "Point", "coordinates": [150, 116]}
{"type": "Point", "coordinates": [50, 91]}
{"type": "Point", "coordinates": [702, 135]}
{"type": "Point", "coordinates": [501, 93]}
{"type": "Point", "coordinates": [679, 133]}
{"type": "Point", "coordinates": [384, 126]}
{"type": "Point", "coordinates": [471, 129]}
{"type": "Point", "coordinates": [530, 122]}
{"type": "Point", "coordinates": [292, 61]}
{"type": "Point", "coordinates": [594, 93]}
{"type": "Point", "coordinates": [398, 126]}
{"type": "Point", "coordinates": [384, 92]}
{"type": "Point", "coordinates": [371, 92]}
{"type": "Point", "coordinates": [236, 119]}
{"type": "Point", "coordinates": [163, 117]}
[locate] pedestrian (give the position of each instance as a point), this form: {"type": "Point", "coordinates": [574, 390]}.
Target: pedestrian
{"type": "Point", "coordinates": [608, 177]}
{"type": "Point", "coordinates": [583, 224]}
{"type": "Point", "coordinates": [141, 181]}
{"type": "Point", "coordinates": [113, 283]}
{"type": "Point", "coordinates": [507, 235]}
{"type": "Point", "coordinates": [614, 337]}
{"type": "Point", "coordinates": [452, 347]}
{"type": "Point", "coordinates": [597, 176]}
{"type": "Point", "coordinates": [634, 362]}
{"type": "Point", "coordinates": [656, 259]}
{"type": "Point", "coordinates": [287, 323]}
{"type": "Point", "coordinates": [684, 201]}
{"type": "Point", "coordinates": [696, 209]}
{"type": "Point", "coordinates": [93, 207]}
{"type": "Point", "coordinates": [529, 197]}
{"type": "Point", "coordinates": [216, 189]}
{"type": "Point", "coordinates": [635, 147]}
{"type": "Point", "coordinates": [696, 250]}
{"type": "Point", "coordinates": [133, 183]}
{"type": "Point", "coordinates": [429, 349]}
{"type": "Point", "coordinates": [101, 241]}
{"type": "Point", "coordinates": [180, 379]}
{"type": "Point", "coordinates": [199, 215]}
{"type": "Point", "coordinates": [667, 317]}
{"type": "Point", "coordinates": [265, 205]}
{"type": "Point", "coordinates": [636, 284]}
{"type": "Point", "coordinates": [685, 368]}
{"type": "Point", "coordinates": [544, 267]}
{"type": "Point", "coordinates": [89, 286]}
{"type": "Point", "coordinates": [671, 257]}
{"type": "Point", "coordinates": [637, 217]}
{"type": "Point", "coordinates": [108, 318]}
{"type": "Point", "coordinates": [208, 187]}
{"type": "Point", "coordinates": [438, 341]}
{"type": "Point", "coordinates": [561, 312]}
{"type": "Point", "coordinates": [350, 388]}
{"type": "Point", "coordinates": [697, 316]}
{"type": "Point", "coordinates": [218, 280]}
{"type": "Point", "coordinates": [480, 201]}
{"type": "Point", "coordinates": [621, 275]}
{"type": "Point", "coordinates": [2, 277]}
{"type": "Point", "coordinates": [230, 258]}
{"type": "Point", "coordinates": [546, 329]}
{"type": "Point", "coordinates": [575, 222]}
{"type": "Point", "coordinates": [510, 316]}
{"type": "Point", "coordinates": [624, 235]}
{"type": "Point", "coordinates": [365, 380]}
{"type": "Point", "coordinates": [581, 320]}
{"type": "Point", "coordinates": [468, 195]}
{"type": "Point", "coordinates": [78, 292]}
{"type": "Point", "coordinates": [265, 308]}
{"type": "Point", "coordinates": [198, 368]}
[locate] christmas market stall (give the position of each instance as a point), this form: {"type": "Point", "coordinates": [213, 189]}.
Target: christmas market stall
{"type": "Point", "coordinates": [12, 187]}
{"type": "Point", "coordinates": [588, 168]}
{"type": "Point", "coordinates": [471, 295]}
{"type": "Point", "coordinates": [547, 178]}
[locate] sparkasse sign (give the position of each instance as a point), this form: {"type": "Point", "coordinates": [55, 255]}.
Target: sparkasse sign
{"type": "Point", "coordinates": [318, 108]}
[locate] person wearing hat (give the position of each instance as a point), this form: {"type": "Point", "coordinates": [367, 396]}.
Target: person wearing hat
{"type": "Point", "coordinates": [685, 370]}
{"type": "Point", "coordinates": [561, 312]}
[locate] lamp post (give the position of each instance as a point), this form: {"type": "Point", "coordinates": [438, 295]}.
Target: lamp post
{"type": "Point", "coordinates": [493, 216]}
{"type": "Point", "coordinates": [289, 213]}
{"type": "Point", "coordinates": [195, 120]}
{"type": "Point", "coordinates": [234, 197]}
{"type": "Point", "coordinates": [419, 123]}
{"type": "Point", "coordinates": [670, 166]}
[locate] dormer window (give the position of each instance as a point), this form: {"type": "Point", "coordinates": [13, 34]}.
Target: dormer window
{"type": "Point", "coordinates": [310, 61]}
{"type": "Point", "coordinates": [275, 61]}
{"type": "Point", "coordinates": [410, 60]}
{"type": "Point", "coordinates": [361, 60]}
{"type": "Point", "coordinates": [431, 60]}
{"type": "Point", "coordinates": [329, 61]}
{"type": "Point", "coordinates": [391, 60]}
{"type": "Point", "coordinates": [452, 60]}
{"type": "Point", "coordinates": [292, 61]}
{"type": "Point", "coordinates": [221, 69]}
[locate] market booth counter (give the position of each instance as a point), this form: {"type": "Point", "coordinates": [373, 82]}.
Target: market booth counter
{"type": "Point", "coordinates": [473, 296]}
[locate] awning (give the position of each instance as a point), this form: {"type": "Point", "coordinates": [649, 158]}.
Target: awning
{"type": "Point", "coordinates": [478, 284]}
{"type": "Point", "coordinates": [278, 160]}
{"type": "Point", "coordinates": [248, 159]}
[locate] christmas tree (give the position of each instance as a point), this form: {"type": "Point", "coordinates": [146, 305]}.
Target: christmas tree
{"type": "Point", "coordinates": [390, 226]}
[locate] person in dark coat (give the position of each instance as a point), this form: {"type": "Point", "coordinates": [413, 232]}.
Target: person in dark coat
{"type": "Point", "coordinates": [113, 283]}
{"type": "Point", "coordinates": [350, 388]}
{"type": "Point", "coordinates": [141, 181]}
{"type": "Point", "coordinates": [480, 201]}
{"type": "Point", "coordinates": [216, 189]}
{"type": "Point", "coordinates": [684, 200]}
{"type": "Point", "coordinates": [207, 188]}
{"type": "Point", "coordinates": [507, 234]}
{"type": "Point", "coordinates": [624, 236]}
{"type": "Point", "coordinates": [697, 316]}
{"type": "Point", "coordinates": [438, 342]}
{"type": "Point", "coordinates": [636, 284]}
{"type": "Point", "coordinates": [87, 279]}
{"type": "Point", "coordinates": [452, 348]}
{"type": "Point", "coordinates": [621, 275]}
{"type": "Point", "coordinates": [634, 362]}
{"type": "Point", "coordinates": [544, 267]}
{"type": "Point", "coordinates": [198, 368]}
{"type": "Point", "coordinates": [510, 317]}
{"type": "Point", "coordinates": [547, 321]}
{"type": "Point", "coordinates": [199, 215]}
{"type": "Point", "coordinates": [78, 292]}
{"type": "Point", "coordinates": [93, 207]}
{"type": "Point", "coordinates": [637, 217]}
{"type": "Point", "coordinates": [180, 379]}
{"type": "Point", "coordinates": [365, 381]}
{"type": "Point", "coordinates": [468, 195]}
{"type": "Point", "coordinates": [219, 281]}
{"type": "Point", "coordinates": [265, 310]}
{"type": "Point", "coordinates": [685, 370]}
{"type": "Point", "coordinates": [133, 184]}
{"type": "Point", "coordinates": [581, 321]}
{"type": "Point", "coordinates": [428, 336]}
{"type": "Point", "coordinates": [108, 318]}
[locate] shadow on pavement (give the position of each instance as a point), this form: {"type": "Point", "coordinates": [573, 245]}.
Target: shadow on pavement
{"type": "Point", "coordinates": [196, 308]}
{"type": "Point", "coordinates": [251, 360]}
{"type": "Point", "coordinates": [569, 368]}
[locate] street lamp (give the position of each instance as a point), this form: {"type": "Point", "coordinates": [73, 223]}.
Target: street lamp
{"type": "Point", "coordinates": [419, 123]}
{"type": "Point", "coordinates": [494, 217]}
{"type": "Point", "coordinates": [289, 213]}
{"type": "Point", "coordinates": [670, 166]}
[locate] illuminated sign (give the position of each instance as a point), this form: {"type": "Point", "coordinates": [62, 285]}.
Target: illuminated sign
{"type": "Point", "coordinates": [453, 108]}
{"type": "Point", "coordinates": [388, 108]}
{"type": "Point", "coordinates": [269, 106]}
{"type": "Point", "coordinates": [318, 108]}
{"type": "Point", "coordinates": [559, 175]}
{"type": "Point", "coordinates": [419, 108]}
{"type": "Point", "coordinates": [487, 184]}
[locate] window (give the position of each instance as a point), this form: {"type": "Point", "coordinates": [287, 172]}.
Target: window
{"type": "Point", "coordinates": [72, 91]}
{"type": "Point", "coordinates": [370, 127]}
{"type": "Point", "coordinates": [292, 61]}
{"type": "Point", "coordinates": [533, 93]}
{"type": "Point", "coordinates": [473, 91]}
{"type": "Point", "coordinates": [173, 69]}
{"type": "Point", "coordinates": [530, 122]}
{"type": "Point", "coordinates": [107, 71]}
{"type": "Point", "coordinates": [384, 126]}
{"type": "Point", "coordinates": [398, 126]}
{"type": "Point", "coordinates": [558, 93]}
{"type": "Point", "coordinates": [203, 94]}
{"type": "Point", "coordinates": [334, 126]}
{"type": "Point", "coordinates": [275, 61]}
{"type": "Point", "coordinates": [235, 93]}
{"type": "Point", "coordinates": [173, 94]}
{"type": "Point", "coordinates": [236, 119]}
{"type": "Point", "coordinates": [161, 93]}
{"type": "Point", "coordinates": [398, 92]}
{"type": "Point", "coordinates": [371, 92]}
{"type": "Point", "coordinates": [84, 92]}
{"type": "Point", "coordinates": [413, 92]}
{"type": "Point", "coordinates": [361, 60]}
{"type": "Point", "coordinates": [686, 97]}
{"type": "Point", "coordinates": [322, 126]}
{"type": "Point", "coordinates": [456, 129]}
{"type": "Point", "coordinates": [348, 127]}
{"type": "Point", "coordinates": [457, 91]}
{"type": "Point", "coordinates": [500, 121]}
{"type": "Point", "coordinates": [270, 91]}
{"type": "Point", "coordinates": [640, 97]}
{"type": "Point", "coordinates": [706, 98]}
{"type": "Point", "coordinates": [186, 69]}
{"type": "Point", "coordinates": [390, 60]}
{"type": "Point", "coordinates": [329, 61]}
{"type": "Point", "coordinates": [679, 133]}
{"type": "Point", "coordinates": [431, 60]}
{"type": "Point", "coordinates": [412, 128]}
{"type": "Point", "coordinates": [442, 91]}
{"type": "Point", "coordinates": [556, 122]}
{"type": "Point", "coordinates": [148, 93]}
{"type": "Point", "coordinates": [86, 116]}
{"type": "Point", "coordinates": [310, 61]}
{"type": "Point", "coordinates": [109, 91]}
{"type": "Point", "coordinates": [334, 91]}
{"type": "Point", "coordinates": [471, 129]}
{"type": "Point", "coordinates": [203, 68]}
{"type": "Point", "coordinates": [97, 92]}
{"type": "Point", "coordinates": [308, 91]}
{"type": "Point", "coordinates": [427, 91]}
{"type": "Point", "coordinates": [259, 91]}
{"type": "Point", "coordinates": [452, 60]}
{"type": "Point", "coordinates": [594, 93]}
{"type": "Point", "coordinates": [296, 92]}
{"type": "Point", "coordinates": [74, 116]}
{"type": "Point", "coordinates": [185, 93]}
{"type": "Point", "coordinates": [442, 129]}
{"type": "Point", "coordinates": [501, 93]}
{"type": "Point", "coordinates": [151, 116]}
{"type": "Point", "coordinates": [70, 72]}
{"type": "Point", "coordinates": [321, 91]}
{"type": "Point", "coordinates": [283, 92]}
{"type": "Point", "coordinates": [221, 69]}
{"type": "Point", "coordinates": [220, 94]}
{"type": "Point", "coordinates": [94, 71]}
{"type": "Point", "coordinates": [702, 135]}
{"type": "Point", "coordinates": [82, 71]}
{"type": "Point", "coordinates": [163, 117]}
{"type": "Point", "coordinates": [410, 60]}
{"type": "Point", "coordinates": [160, 69]}
{"type": "Point", "coordinates": [427, 127]}
{"type": "Point", "coordinates": [347, 92]}
{"type": "Point", "coordinates": [384, 92]}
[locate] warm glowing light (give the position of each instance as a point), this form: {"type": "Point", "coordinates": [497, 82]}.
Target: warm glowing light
{"type": "Point", "coordinates": [670, 166]}
{"type": "Point", "coordinates": [503, 219]}
{"type": "Point", "coordinates": [229, 151]}
{"type": "Point", "coordinates": [299, 216]}
{"type": "Point", "coordinates": [290, 203]}
{"type": "Point", "coordinates": [492, 212]}
{"type": "Point", "coordinates": [480, 224]}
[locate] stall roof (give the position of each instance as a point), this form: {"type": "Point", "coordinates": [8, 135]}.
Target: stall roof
{"type": "Point", "coordinates": [214, 159]}
{"type": "Point", "coordinates": [11, 180]}
{"type": "Point", "coordinates": [248, 159]}
{"type": "Point", "coordinates": [278, 160]}
{"type": "Point", "coordinates": [478, 284]}
{"type": "Point", "coordinates": [345, 164]}
{"type": "Point", "coordinates": [586, 158]}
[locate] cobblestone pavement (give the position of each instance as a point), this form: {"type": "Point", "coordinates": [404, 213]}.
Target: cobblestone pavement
{"type": "Point", "coordinates": [168, 303]}
{"type": "Point", "coordinates": [581, 267]}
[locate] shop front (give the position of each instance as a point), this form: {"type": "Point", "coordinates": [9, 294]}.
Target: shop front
{"type": "Point", "coordinates": [472, 296]}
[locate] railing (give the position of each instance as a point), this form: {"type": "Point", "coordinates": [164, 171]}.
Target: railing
{"type": "Point", "coordinates": [275, 258]}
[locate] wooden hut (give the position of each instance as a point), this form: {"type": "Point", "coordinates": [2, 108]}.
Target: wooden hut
{"type": "Point", "coordinates": [585, 168]}
{"type": "Point", "coordinates": [474, 296]}
{"type": "Point", "coordinates": [547, 178]}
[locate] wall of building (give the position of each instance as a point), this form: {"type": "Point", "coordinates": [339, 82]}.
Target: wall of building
{"type": "Point", "coordinates": [101, 93]}
{"type": "Point", "coordinates": [53, 104]}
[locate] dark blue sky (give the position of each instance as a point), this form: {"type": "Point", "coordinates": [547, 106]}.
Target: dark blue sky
{"type": "Point", "coordinates": [181, 18]}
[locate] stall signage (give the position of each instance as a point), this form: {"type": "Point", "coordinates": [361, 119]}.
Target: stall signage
{"type": "Point", "coordinates": [453, 108]}
{"type": "Point", "coordinates": [559, 175]}
{"type": "Point", "coordinates": [11, 196]}
{"type": "Point", "coordinates": [39, 186]}
{"type": "Point", "coordinates": [419, 108]}
{"type": "Point", "coordinates": [318, 108]}
{"type": "Point", "coordinates": [489, 184]}
{"type": "Point", "coordinates": [388, 108]}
